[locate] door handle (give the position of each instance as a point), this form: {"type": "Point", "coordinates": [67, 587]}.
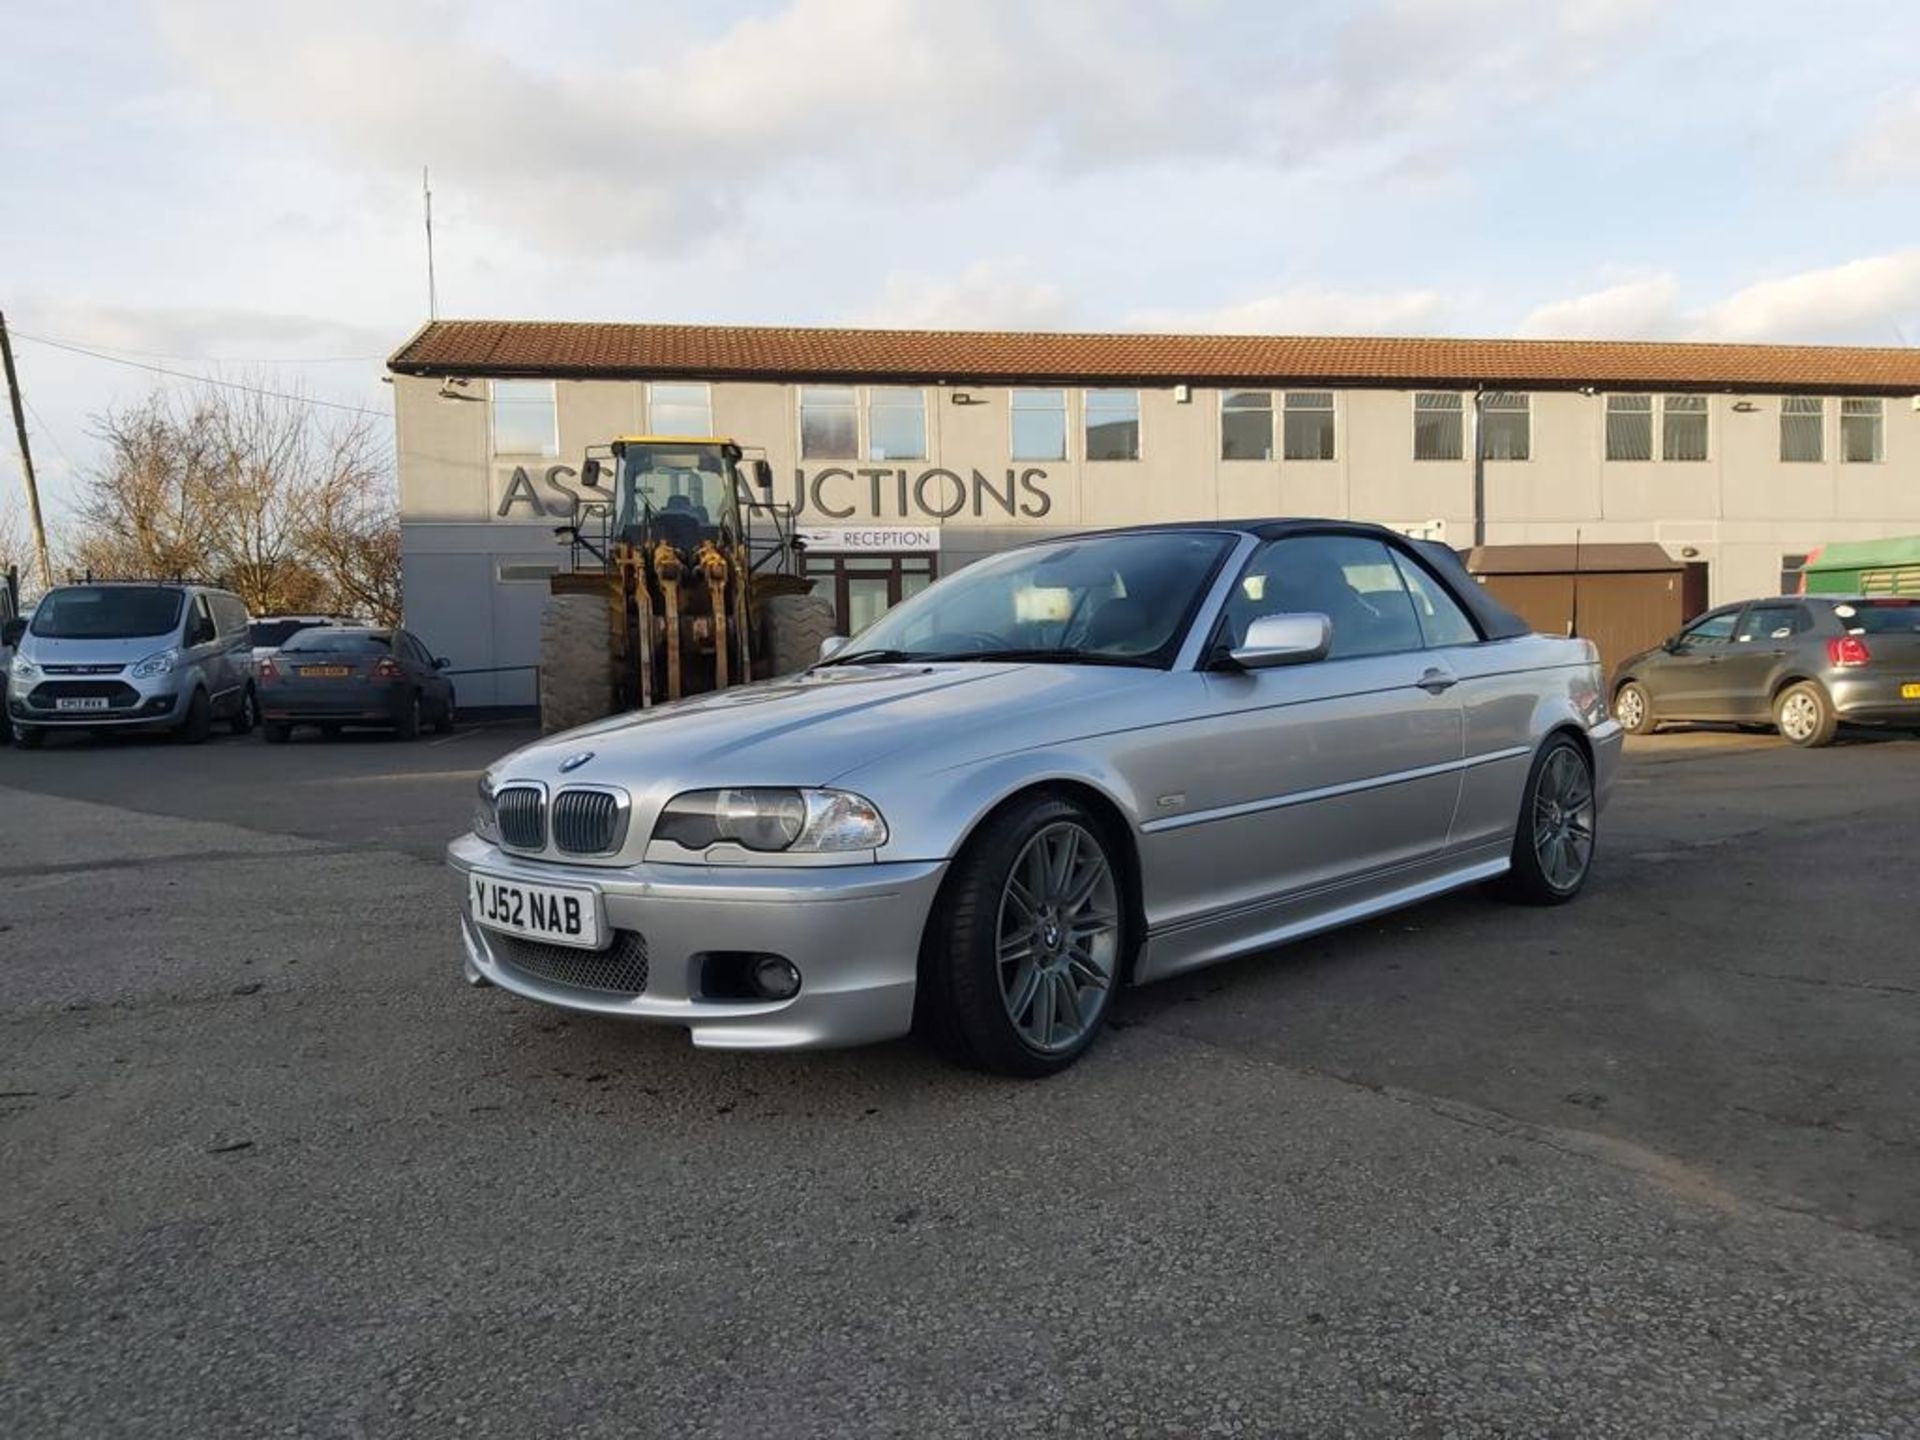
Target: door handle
{"type": "Point", "coordinates": [1436, 681]}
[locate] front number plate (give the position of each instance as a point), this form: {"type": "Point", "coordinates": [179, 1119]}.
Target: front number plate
{"type": "Point", "coordinates": [559, 914]}
{"type": "Point", "coordinates": [1910, 692]}
{"type": "Point", "coordinates": [80, 702]}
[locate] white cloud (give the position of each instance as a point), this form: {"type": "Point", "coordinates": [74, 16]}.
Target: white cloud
{"type": "Point", "coordinates": [1869, 301]}
{"type": "Point", "coordinates": [202, 332]}
{"type": "Point", "coordinates": [1310, 310]}
{"type": "Point", "coordinates": [1645, 308]}
{"type": "Point", "coordinates": [658, 137]}
{"type": "Point", "coordinates": [1889, 148]}
{"type": "Point", "coordinates": [988, 294]}
{"type": "Point", "coordinates": [1866, 298]}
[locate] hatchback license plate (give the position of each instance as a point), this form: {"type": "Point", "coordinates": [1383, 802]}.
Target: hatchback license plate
{"type": "Point", "coordinates": [81, 702]}
{"type": "Point", "coordinates": [559, 914]}
{"type": "Point", "coordinates": [1910, 692]}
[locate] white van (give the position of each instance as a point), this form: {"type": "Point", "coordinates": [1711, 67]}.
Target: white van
{"type": "Point", "coordinates": [132, 655]}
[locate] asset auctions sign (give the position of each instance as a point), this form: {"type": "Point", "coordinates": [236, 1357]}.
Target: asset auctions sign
{"type": "Point", "coordinates": [834, 492]}
{"type": "Point", "coordinates": [858, 540]}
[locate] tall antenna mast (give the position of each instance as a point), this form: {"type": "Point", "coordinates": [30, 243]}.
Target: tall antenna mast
{"type": "Point", "coordinates": [433, 297]}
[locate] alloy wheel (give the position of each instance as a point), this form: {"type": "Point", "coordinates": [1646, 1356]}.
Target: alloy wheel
{"type": "Point", "coordinates": [1799, 716]}
{"type": "Point", "coordinates": [1630, 708]}
{"type": "Point", "coordinates": [1563, 819]}
{"type": "Point", "coordinates": [1058, 936]}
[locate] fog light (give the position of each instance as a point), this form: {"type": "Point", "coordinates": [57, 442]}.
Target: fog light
{"type": "Point", "coordinates": [775, 978]}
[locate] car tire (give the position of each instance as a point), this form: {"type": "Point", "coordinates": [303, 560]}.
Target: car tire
{"type": "Point", "coordinates": [197, 728]}
{"type": "Point", "coordinates": [29, 737]}
{"type": "Point", "coordinates": [247, 716]}
{"type": "Point", "coordinates": [1633, 708]}
{"type": "Point", "coordinates": [278, 732]}
{"type": "Point", "coordinates": [1804, 716]}
{"type": "Point", "coordinates": [1553, 840]}
{"type": "Point", "coordinates": [1008, 981]}
{"type": "Point", "coordinates": [443, 724]}
{"type": "Point", "coordinates": [408, 727]}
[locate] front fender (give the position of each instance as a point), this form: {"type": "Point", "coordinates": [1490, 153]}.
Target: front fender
{"type": "Point", "coordinates": [944, 807]}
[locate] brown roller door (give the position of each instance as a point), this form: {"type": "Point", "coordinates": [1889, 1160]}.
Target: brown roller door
{"type": "Point", "coordinates": [1630, 596]}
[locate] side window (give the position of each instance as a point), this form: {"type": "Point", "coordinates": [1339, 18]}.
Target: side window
{"type": "Point", "coordinates": [1442, 621]}
{"type": "Point", "coordinates": [1713, 630]}
{"type": "Point", "coordinates": [1772, 622]}
{"type": "Point", "coordinates": [200, 626]}
{"type": "Point", "coordinates": [1351, 580]}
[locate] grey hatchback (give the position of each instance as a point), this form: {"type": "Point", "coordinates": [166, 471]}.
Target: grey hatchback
{"type": "Point", "coordinates": [336, 676]}
{"type": "Point", "coordinates": [1801, 663]}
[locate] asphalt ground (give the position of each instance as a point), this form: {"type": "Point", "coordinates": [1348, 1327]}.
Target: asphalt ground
{"type": "Point", "coordinates": [1645, 1166]}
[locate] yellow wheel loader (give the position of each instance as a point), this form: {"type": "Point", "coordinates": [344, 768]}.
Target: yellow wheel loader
{"type": "Point", "coordinates": [683, 580]}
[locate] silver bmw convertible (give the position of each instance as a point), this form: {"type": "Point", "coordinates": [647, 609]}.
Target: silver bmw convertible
{"type": "Point", "coordinates": [1080, 764]}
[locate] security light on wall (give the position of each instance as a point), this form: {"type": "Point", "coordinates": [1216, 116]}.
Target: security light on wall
{"type": "Point", "coordinates": [448, 392]}
{"type": "Point", "coordinates": [1744, 407]}
{"type": "Point", "coordinates": [1182, 394]}
{"type": "Point", "coordinates": [961, 397]}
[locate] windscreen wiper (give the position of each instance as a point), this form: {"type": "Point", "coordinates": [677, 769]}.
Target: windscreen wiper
{"type": "Point", "coordinates": [1048, 656]}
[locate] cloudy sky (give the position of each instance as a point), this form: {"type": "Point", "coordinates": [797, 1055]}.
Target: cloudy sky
{"type": "Point", "coordinates": [234, 188]}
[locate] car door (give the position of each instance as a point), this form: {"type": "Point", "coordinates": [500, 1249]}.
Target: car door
{"type": "Point", "coordinates": [1764, 642]}
{"type": "Point", "coordinates": [201, 641]}
{"type": "Point", "coordinates": [1685, 685]}
{"type": "Point", "coordinates": [1312, 785]}
{"type": "Point", "coordinates": [420, 662]}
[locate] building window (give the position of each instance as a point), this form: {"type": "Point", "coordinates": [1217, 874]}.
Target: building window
{"type": "Point", "coordinates": [680, 409]}
{"type": "Point", "coordinates": [829, 423]}
{"type": "Point", "coordinates": [1683, 427]}
{"type": "Point", "coordinates": [1113, 424]}
{"type": "Point", "coordinates": [1039, 424]}
{"type": "Point", "coordinates": [524, 419]}
{"type": "Point", "coordinates": [1506, 425]}
{"type": "Point", "coordinates": [1436, 426]}
{"type": "Point", "coordinates": [1790, 576]}
{"type": "Point", "coordinates": [1802, 429]}
{"type": "Point", "coordinates": [1860, 431]}
{"type": "Point", "coordinates": [1629, 427]}
{"type": "Point", "coordinates": [1246, 425]}
{"type": "Point", "coordinates": [896, 423]}
{"type": "Point", "coordinates": [1309, 425]}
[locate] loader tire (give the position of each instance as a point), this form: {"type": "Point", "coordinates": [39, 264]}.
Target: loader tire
{"type": "Point", "coordinates": [795, 625]}
{"type": "Point", "coordinates": [576, 661]}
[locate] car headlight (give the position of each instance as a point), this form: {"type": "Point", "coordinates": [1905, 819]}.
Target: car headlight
{"type": "Point", "coordinates": [160, 663]}
{"type": "Point", "coordinates": [22, 668]}
{"type": "Point", "coordinates": [486, 823]}
{"type": "Point", "coordinates": [768, 820]}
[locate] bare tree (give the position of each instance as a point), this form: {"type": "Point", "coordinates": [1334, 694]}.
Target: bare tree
{"type": "Point", "coordinates": [290, 509]}
{"type": "Point", "coordinates": [15, 549]}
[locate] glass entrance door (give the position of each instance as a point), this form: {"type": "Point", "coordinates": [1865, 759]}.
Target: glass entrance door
{"type": "Point", "coordinates": [864, 587]}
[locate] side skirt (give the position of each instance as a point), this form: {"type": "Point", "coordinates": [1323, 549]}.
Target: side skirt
{"type": "Point", "coordinates": [1210, 939]}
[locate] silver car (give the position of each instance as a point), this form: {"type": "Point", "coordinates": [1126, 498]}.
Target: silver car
{"type": "Point", "coordinates": [1074, 765]}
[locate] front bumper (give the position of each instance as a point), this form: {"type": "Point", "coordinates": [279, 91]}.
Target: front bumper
{"type": "Point", "coordinates": [156, 702]}
{"type": "Point", "coordinates": [853, 932]}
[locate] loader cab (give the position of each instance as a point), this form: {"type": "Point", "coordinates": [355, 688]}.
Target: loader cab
{"type": "Point", "coordinates": [680, 491]}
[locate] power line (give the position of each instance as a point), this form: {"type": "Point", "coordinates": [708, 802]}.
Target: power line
{"type": "Point", "coordinates": [211, 359]}
{"type": "Point", "coordinates": [202, 379]}
{"type": "Point", "coordinates": [47, 430]}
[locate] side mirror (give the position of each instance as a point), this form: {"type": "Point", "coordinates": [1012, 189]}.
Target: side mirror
{"type": "Point", "coordinates": [1670, 644]}
{"type": "Point", "coordinates": [763, 475]}
{"type": "Point", "coordinates": [1297, 639]}
{"type": "Point", "coordinates": [11, 632]}
{"type": "Point", "coordinates": [440, 662]}
{"type": "Point", "coordinates": [590, 472]}
{"type": "Point", "coordinates": [832, 646]}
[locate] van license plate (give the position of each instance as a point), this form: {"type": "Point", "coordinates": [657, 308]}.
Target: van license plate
{"type": "Point", "coordinates": [559, 914]}
{"type": "Point", "coordinates": [1910, 692]}
{"type": "Point", "coordinates": [81, 702]}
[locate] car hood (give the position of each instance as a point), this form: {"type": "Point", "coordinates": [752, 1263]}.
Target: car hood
{"type": "Point", "coordinates": [45, 650]}
{"type": "Point", "coordinates": [809, 729]}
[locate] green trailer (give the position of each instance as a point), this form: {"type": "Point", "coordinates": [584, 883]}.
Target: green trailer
{"type": "Point", "coordinates": [1864, 567]}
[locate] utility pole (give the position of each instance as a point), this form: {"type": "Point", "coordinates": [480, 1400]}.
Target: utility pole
{"type": "Point", "coordinates": [26, 458]}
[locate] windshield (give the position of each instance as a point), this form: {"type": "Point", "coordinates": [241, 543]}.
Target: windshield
{"type": "Point", "coordinates": [1116, 598]}
{"type": "Point", "coordinates": [272, 633]}
{"type": "Point", "coordinates": [107, 612]}
{"type": "Point", "coordinates": [684, 479]}
{"type": "Point", "coordinates": [352, 642]}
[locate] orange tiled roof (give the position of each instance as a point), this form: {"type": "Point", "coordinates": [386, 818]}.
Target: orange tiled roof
{"type": "Point", "coordinates": [523, 347]}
